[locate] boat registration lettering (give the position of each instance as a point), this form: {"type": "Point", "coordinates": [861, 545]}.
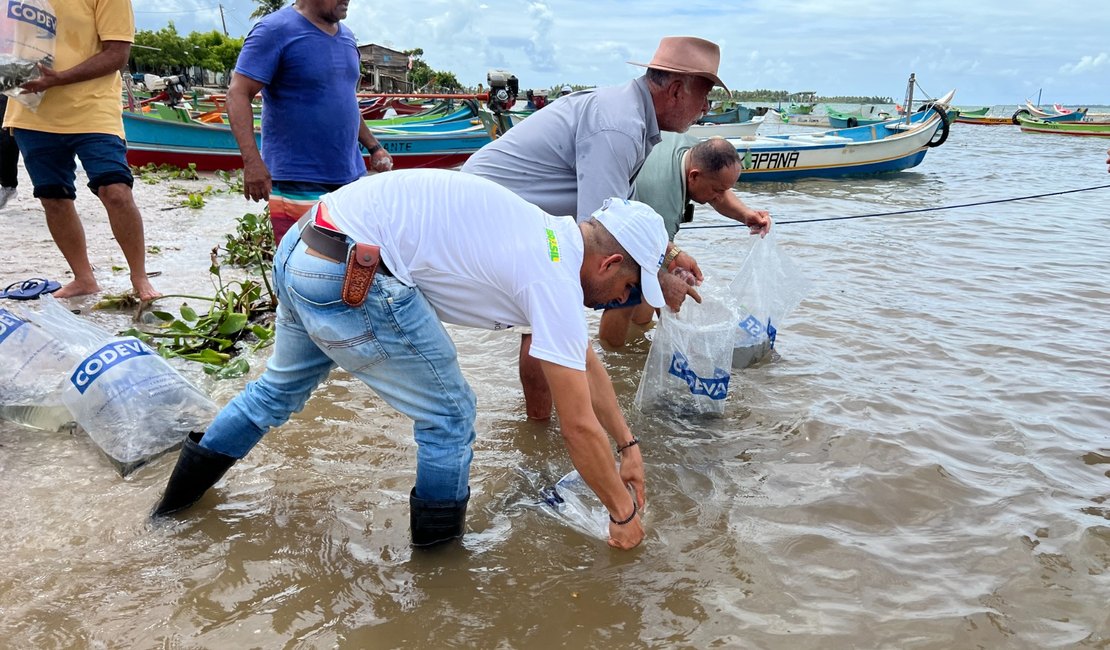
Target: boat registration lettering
{"type": "Point", "coordinates": [773, 160]}
{"type": "Point", "coordinates": [9, 323]}
{"type": "Point", "coordinates": [397, 147]}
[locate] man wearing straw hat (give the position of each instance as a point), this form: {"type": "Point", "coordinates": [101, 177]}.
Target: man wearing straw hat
{"type": "Point", "coordinates": [590, 145]}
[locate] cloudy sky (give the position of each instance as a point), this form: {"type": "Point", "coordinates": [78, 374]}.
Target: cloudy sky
{"type": "Point", "coordinates": [990, 51]}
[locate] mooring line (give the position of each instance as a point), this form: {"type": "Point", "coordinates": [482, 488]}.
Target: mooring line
{"type": "Point", "coordinates": [888, 214]}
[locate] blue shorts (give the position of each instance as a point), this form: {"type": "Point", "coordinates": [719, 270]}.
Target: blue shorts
{"type": "Point", "coordinates": [50, 162]}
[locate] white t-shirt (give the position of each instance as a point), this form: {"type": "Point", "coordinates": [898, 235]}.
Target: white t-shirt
{"type": "Point", "coordinates": [481, 255]}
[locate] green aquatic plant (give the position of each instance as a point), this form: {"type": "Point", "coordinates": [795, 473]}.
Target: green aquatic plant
{"type": "Point", "coordinates": [252, 242]}
{"type": "Point", "coordinates": [233, 180]}
{"type": "Point", "coordinates": [152, 174]}
{"type": "Point", "coordinates": [236, 317]}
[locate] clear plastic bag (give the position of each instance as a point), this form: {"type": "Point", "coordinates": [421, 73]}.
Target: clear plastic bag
{"type": "Point", "coordinates": [766, 289]}
{"type": "Point", "coordinates": [573, 503]}
{"type": "Point", "coordinates": [132, 403]}
{"type": "Point", "coordinates": [28, 31]}
{"type": "Point", "coordinates": [687, 367]}
{"type": "Point", "coordinates": [33, 366]}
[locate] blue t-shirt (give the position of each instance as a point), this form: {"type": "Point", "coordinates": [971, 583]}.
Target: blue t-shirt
{"type": "Point", "coordinates": [310, 115]}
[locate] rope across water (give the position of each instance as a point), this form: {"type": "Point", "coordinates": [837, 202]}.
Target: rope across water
{"type": "Point", "coordinates": [888, 214]}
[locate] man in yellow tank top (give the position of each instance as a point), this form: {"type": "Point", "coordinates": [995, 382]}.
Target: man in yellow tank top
{"type": "Point", "coordinates": [80, 116]}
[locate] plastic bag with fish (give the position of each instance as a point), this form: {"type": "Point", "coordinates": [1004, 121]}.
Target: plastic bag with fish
{"type": "Point", "coordinates": [766, 289]}
{"type": "Point", "coordinates": [132, 402]}
{"type": "Point", "coordinates": [33, 367]}
{"type": "Point", "coordinates": [687, 368]}
{"type": "Point", "coordinates": [28, 30]}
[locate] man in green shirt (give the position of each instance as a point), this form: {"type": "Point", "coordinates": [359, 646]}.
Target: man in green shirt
{"type": "Point", "coordinates": [680, 170]}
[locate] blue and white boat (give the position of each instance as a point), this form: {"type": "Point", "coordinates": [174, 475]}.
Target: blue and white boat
{"type": "Point", "coordinates": [889, 146]}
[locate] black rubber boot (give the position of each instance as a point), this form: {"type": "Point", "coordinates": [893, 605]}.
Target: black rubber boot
{"type": "Point", "coordinates": [197, 470]}
{"type": "Point", "coordinates": [435, 522]}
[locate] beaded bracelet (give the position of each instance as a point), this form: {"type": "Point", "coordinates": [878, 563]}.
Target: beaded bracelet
{"type": "Point", "coordinates": [373, 149]}
{"type": "Point", "coordinates": [630, 517]}
{"type": "Point", "coordinates": [632, 443]}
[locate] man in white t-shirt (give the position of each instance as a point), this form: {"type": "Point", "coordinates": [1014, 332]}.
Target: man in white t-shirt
{"type": "Point", "coordinates": [460, 249]}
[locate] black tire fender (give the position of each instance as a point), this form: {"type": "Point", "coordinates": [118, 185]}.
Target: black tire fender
{"type": "Point", "coordinates": [852, 122]}
{"type": "Point", "coordinates": [1019, 112]}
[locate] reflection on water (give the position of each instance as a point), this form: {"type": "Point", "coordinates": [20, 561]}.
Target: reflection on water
{"type": "Point", "coordinates": [924, 462]}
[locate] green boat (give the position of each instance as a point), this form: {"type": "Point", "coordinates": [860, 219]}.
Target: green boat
{"type": "Point", "coordinates": [1090, 129]}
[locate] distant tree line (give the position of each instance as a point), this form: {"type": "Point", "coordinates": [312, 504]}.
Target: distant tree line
{"type": "Point", "coordinates": [423, 76]}
{"type": "Point", "coordinates": [165, 52]}
{"type": "Point", "coordinates": [784, 96]}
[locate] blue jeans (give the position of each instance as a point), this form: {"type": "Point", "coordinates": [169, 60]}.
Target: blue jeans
{"type": "Point", "coordinates": [394, 343]}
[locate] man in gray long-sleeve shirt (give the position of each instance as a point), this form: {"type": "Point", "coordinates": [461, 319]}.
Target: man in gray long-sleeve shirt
{"type": "Point", "coordinates": [590, 145]}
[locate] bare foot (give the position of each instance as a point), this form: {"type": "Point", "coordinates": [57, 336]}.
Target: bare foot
{"type": "Point", "coordinates": [77, 288]}
{"type": "Point", "coordinates": [144, 290]}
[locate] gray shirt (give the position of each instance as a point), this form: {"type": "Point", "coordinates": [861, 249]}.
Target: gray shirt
{"type": "Point", "coordinates": [570, 156]}
{"type": "Point", "coordinates": [662, 180]}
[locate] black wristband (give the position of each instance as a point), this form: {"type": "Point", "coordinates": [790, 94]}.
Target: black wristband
{"type": "Point", "coordinates": [630, 517]}
{"type": "Point", "coordinates": [374, 149]}
{"type": "Point", "coordinates": [632, 443]}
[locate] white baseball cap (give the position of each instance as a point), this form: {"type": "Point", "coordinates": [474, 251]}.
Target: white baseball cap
{"type": "Point", "coordinates": [641, 232]}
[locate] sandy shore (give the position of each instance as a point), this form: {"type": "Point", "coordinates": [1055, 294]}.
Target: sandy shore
{"type": "Point", "coordinates": [179, 239]}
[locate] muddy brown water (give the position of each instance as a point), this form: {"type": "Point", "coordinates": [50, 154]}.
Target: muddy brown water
{"type": "Point", "coordinates": [925, 464]}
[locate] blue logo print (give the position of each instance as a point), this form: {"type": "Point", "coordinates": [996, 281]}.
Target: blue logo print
{"type": "Point", "coordinates": [26, 13]}
{"type": "Point", "coordinates": [9, 323]}
{"type": "Point", "coordinates": [715, 387]}
{"type": "Point", "coordinates": [97, 363]}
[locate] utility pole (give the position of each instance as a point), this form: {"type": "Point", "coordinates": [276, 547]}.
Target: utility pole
{"type": "Point", "coordinates": [222, 21]}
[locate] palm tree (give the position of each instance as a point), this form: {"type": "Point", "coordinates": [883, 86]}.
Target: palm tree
{"type": "Point", "coordinates": [267, 7]}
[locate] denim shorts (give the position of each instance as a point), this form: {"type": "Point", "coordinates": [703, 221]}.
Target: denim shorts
{"type": "Point", "coordinates": [49, 158]}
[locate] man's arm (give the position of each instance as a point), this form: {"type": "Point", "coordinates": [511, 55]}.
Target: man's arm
{"type": "Point", "coordinates": [609, 414]}
{"type": "Point", "coordinates": [590, 452]}
{"type": "Point", "coordinates": [108, 60]}
{"type": "Point", "coordinates": [730, 205]}
{"type": "Point", "coordinates": [380, 160]}
{"type": "Point", "coordinates": [240, 115]}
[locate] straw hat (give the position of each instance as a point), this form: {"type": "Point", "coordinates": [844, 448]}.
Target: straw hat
{"type": "Point", "coordinates": [687, 55]}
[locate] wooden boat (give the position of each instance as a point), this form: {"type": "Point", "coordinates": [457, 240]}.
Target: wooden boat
{"type": "Point", "coordinates": [376, 108]}
{"type": "Point", "coordinates": [1090, 129]}
{"type": "Point", "coordinates": [1029, 111]}
{"type": "Point", "coordinates": [1087, 115]}
{"type": "Point", "coordinates": [842, 119]}
{"type": "Point", "coordinates": [733, 115]}
{"type": "Point", "coordinates": [737, 130]}
{"type": "Point", "coordinates": [184, 141]}
{"type": "Point", "coordinates": [980, 116]}
{"type": "Point", "coordinates": [889, 146]}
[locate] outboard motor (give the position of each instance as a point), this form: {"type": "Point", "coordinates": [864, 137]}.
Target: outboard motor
{"type": "Point", "coordinates": [503, 90]}
{"type": "Point", "coordinates": [175, 90]}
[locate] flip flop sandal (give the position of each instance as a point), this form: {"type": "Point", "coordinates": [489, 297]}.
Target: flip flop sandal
{"type": "Point", "coordinates": [29, 289]}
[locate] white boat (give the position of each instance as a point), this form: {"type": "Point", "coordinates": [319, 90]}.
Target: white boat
{"type": "Point", "coordinates": [888, 146]}
{"type": "Point", "coordinates": [734, 130]}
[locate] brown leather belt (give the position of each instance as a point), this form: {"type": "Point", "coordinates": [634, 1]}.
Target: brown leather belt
{"type": "Point", "coordinates": [331, 244]}
{"type": "Point", "coordinates": [362, 260]}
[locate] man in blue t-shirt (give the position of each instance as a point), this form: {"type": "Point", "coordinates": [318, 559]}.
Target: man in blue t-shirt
{"type": "Point", "coordinates": [306, 65]}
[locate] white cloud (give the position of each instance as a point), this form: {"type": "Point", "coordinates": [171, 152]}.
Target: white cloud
{"type": "Point", "coordinates": [989, 50]}
{"type": "Point", "coordinates": [1086, 64]}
